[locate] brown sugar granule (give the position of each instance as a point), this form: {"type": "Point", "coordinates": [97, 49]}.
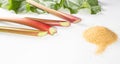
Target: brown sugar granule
{"type": "Point", "coordinates": [100, 36]}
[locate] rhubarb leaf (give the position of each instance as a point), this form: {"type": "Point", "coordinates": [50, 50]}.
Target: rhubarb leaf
{"type": "Point", "coordinates": [14, 5]}
{"type": "Point", "coordinates": [95, 7]}
{"type": "Point", "coordinates": [30, 8]}
{"type": "Point", "coordinates": [21, 6]}
{"type": "Point", "coordinates": [0, 4]}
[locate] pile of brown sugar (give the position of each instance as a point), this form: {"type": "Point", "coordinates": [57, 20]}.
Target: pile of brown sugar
{"type": "Point", "coordinates": [100, 36]}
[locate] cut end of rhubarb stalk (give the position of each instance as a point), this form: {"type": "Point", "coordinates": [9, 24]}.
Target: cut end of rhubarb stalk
{"type": "Point", "coordinates": [41, 34]}
{"type": "Point", "coordinates": [65, 24]}
{"type": "Point", "coordinates": [52, 31]}
{"type": "Point", "coordinates": [78, 20]}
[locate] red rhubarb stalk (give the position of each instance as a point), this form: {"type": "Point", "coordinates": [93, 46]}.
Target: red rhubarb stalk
{"type": "Point", "coordinates": [23, 31]}
{"type": "Point", "coordinates": [62, 15]}
{"type": "Point", "coordinates": [52, 22]}
{"type": "Point", "coordinates": [32, 23]}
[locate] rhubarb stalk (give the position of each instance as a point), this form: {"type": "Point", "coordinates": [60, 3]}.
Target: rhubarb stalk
{"type": "Point", "coordinates": [23, 31]}
{"type": "Point", "coordinates": [52, 22]}
{"type": "Point", "coordinates": [29, 22]}
{"type": "Point", "coordinates": [62, 15]}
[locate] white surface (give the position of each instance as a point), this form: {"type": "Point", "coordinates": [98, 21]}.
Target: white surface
{"type": "Point", "coordinates": [67, 46]}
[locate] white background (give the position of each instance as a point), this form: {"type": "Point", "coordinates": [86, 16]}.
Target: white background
{"type": "Point", "coordinates": [67, 46]}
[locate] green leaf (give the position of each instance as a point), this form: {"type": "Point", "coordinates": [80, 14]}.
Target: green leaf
{"type": "Point", "coordinates": [93, 2]}
{"type": "Point", "coordinates": [30, 8]}
{"type": "Point", "coordinates": [14, 5]}
{"type": "Point", "coordinates": [85, 5]}
{"type": "Point", "coordinates": [71, 6]}
{"type": "Point", "coordinates": [0, 4]}
{"type": "Point", "coordinates": [55, 6]}
{"type": "Point", "coordinates": [95, 9]}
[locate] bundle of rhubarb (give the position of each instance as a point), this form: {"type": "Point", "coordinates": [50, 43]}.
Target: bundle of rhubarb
{"type": "Point", "coordinates": [42, 26]}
